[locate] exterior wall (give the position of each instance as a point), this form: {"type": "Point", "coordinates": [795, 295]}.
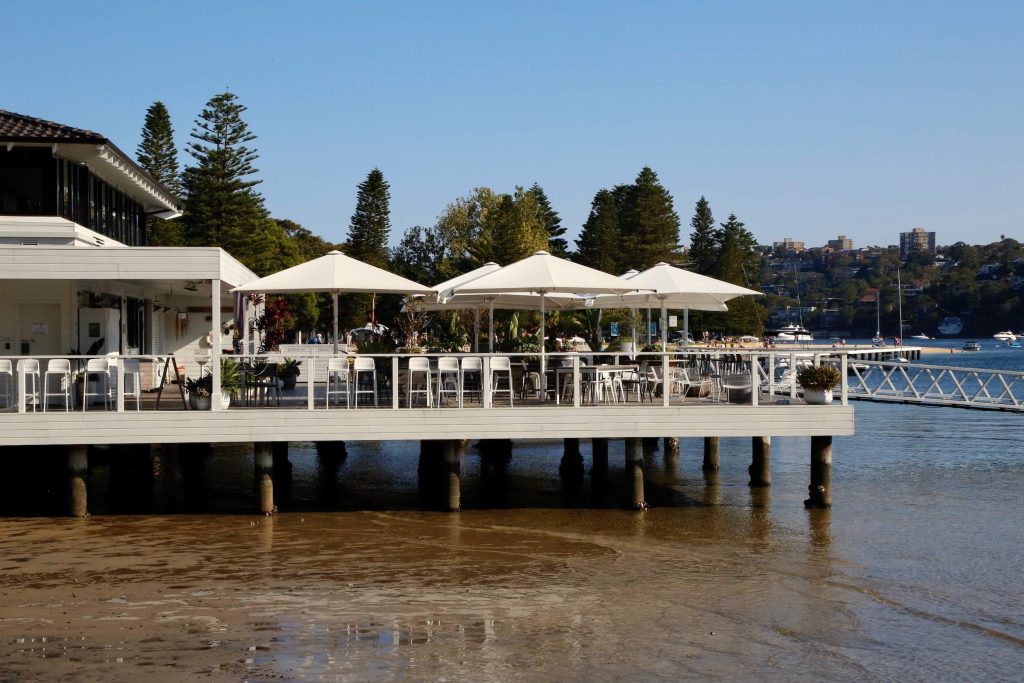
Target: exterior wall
{"type": "Point", "coordinates": [13, 293]}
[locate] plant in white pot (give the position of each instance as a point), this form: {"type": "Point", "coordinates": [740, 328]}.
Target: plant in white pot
{"type": "Point", "coordinates": [818, 382]}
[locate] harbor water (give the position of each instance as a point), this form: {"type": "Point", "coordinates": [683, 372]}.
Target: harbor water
{"type": "Point", "coordinates": [915, 574]}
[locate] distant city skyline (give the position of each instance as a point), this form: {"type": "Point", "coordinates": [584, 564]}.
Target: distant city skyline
{"type": "Point", "coordinates": [806, 120]}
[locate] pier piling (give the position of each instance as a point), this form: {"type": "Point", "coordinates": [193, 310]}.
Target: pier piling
{"type": "Point", "coordinates": [760, 461]}
{"type": "Point", "coordinates": [263, 456]}
{"type": "Point", "coordinates": [452, 450]}
{"type": "Point", "coordinates": [599, 458]}
{"type": "Point", "coordinates": [711, 448]}
{"type": "Point", "coordinates": [635, 474]}
{"type": "Point", "coordinates": [820, 489]}
{"type": "Point", "coordinates": [78, 469]}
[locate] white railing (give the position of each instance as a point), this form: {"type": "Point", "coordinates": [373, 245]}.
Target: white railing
{"type": "Point", "coordinates": [937, 385]}
{"type": "Point", "coordinates": [434, 380]}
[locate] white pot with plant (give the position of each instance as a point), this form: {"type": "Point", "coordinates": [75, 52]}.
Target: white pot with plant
{"type": "Point", "coordinates": [818, 383]}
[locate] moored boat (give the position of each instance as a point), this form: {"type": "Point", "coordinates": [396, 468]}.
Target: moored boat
{"type": "Point", "coordinates": [1005, 336]}
{"type": "Point", "coordinates": [971, 346]}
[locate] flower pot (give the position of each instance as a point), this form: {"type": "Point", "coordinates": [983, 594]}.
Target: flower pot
{"type": "Point", "coordinates": [288, 381]}
{"type": "Point", "coordinates": [199, 402]}
{"type": "Point", "coordinates": [225, 401]}
{"type": "Point", "coordinates": [818, 397]}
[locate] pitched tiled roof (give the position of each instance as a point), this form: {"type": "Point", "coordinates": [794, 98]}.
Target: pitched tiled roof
{"type": "Point", "coordinates": [21, 128]}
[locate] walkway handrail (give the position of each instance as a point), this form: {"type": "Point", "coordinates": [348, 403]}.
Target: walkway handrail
{"type": "Point", "coordinates": [937, 385]}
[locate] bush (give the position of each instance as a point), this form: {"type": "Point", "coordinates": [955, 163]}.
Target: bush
{"type": "Point", "coordinates": [822, 377]}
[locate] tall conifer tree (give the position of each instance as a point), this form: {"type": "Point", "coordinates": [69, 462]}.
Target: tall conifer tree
{"type": "Point", "coordinates": [370, 227]}
{"type": "Point", "coordinates": [739, 263]}
{"type": "Point", "coordinates": [703, 239]}
{"type": "Point", "coordinates": [653, 221]}
{"type": "Point", "coordinates": [552, 222]}
{"type": "Point", "coordinates": [599, 241]}
{"type": "Point", "coordinates": [222, 206]}
{"type": "Point", "coordinates": [157, 154]}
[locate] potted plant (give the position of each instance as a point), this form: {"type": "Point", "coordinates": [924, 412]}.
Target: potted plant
{"type": "Point", "coordinates": [230, 380]}
{"type": "Point", "coordinates": [199, 392]}
{"type": "Point", "coordinates": [288, 372]}
{"type": "Point", "coordinates": [818, 383]}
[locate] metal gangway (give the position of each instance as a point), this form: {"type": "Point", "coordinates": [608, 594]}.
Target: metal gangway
{"type": "Point", "coordinates": [936, 385]}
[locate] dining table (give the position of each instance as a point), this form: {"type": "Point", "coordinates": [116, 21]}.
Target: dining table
{"type": "Point", "coordinates": [596, 373]}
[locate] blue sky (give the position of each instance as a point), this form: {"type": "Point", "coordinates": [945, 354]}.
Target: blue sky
{"type": "Point", "coordinates": [806, 119]}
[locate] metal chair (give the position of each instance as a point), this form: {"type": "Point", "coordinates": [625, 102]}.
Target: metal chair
{"type": "Point", "coordinates": [28, 371]}
{"type": "Point", "coordinates": [133, 381]}
{"type": "Point", "coordinates": [7, 383]}
{"type": "Point", "coordinates": [471, 378]}
{"type": "Point", "coordinates": [448, 379]}
{"type": "Point", "coordinates": [419, 367]}
{"type": "Point", "coordinates": [97, 371]}
{"type": "Point", "coordinates": [260, 380]}
{"type": "Point", "coordinates": [337, 381]}
{"type": "Point", "coordinates": [360, 369]}
{"type": "Point", "coordinates": [58, 372]}
{"type": "Point", "coordinates": [737, 387]}
{"type": "Point", "coordinates": [501, 365]}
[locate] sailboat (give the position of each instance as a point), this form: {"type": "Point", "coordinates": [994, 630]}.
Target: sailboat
{"type": "Point", "coordinates": [899, 300]}
{"type": "Point", "coordinates": [878, 340]}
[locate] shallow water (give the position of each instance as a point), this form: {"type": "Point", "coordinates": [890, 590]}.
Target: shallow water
{"type": "Point", "coordinates": [914, 574]}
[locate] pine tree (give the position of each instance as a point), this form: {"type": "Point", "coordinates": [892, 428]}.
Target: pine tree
{"type": "Point", "coordinates": [703, 239]}
{"type": "Point", "coordinates": [654, 224]}
{"type": "Point", "coordinates": [739, 263]}
{"type": "Point", "coordinates": [222, 207]}
{"type": "Point", "coordinates": [158, 155]}
{"type": "Point", "coordinates": [599, 241]}
{"type": "Point", "coordinates": [370, 226]}
{"type": "Point", "coordinates": [552, 223]}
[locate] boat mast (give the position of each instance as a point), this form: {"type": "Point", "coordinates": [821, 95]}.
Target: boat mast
{"type": "Point", "coordinates": [899, 294]}
{"type": "Point", "coordinates": [878, 313]}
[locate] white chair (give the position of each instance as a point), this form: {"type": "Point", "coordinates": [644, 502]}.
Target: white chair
{"type": "Point", "coordinates": [133, 381]}
{"type": "Point", "coordinates": [97, 373]}
{"type": "Point", "coordinates": [28, 371]}
{"type": "Point", "coordinates": [58, 377]}
{"type": "Point", "coordinates": [337, 381]}
{"type": "Point", "coordinates": [7, 383]}
{"type": "Point", "coordinates": [419, 376]}
{"type": "Point", "coordinates": [501, 365]}
{"type": "Point", "coordinates": [364, 372]}
{"type": "Point", "coordinates": [635, 380]}
{"type": "Point", "coordinates": [448, 379]}
{"type": "Point", "coordinates": [473, 367]}
{"type": "Point", "coordinates": [737, 388]}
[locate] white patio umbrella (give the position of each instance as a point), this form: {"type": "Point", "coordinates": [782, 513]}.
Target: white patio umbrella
{"type": "Point", "coordinates": [335, 272]}
{"type": "Point", "coordinates": [444, 293]}
{"type": "Point", "coordinates": [542, 274]}
{"type": "Point", "coordinates": [672, 287]}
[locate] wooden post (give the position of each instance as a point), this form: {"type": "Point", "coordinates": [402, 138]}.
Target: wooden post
{"type": "Point", "coordinates": [820, 489]}
{"type": "Point", "coordinates": [671, 453]}
{"type": "Point", "coordinates": [452, 462]}
{"type": "Point", "coordinates": [78, 470]}
{"type": "Point", "coordinates": [263, 455]}
{"type": "Point", "coordinates": [635, 474]}
{"type": "Point", "coordinates": [760, 461]}
{"type": "Point", "coordinates": [710, 454]}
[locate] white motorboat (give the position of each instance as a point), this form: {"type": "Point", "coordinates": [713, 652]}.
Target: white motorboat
{"type": "Point", "coordinates": [921, 336]}
{"type": "Point", "coordinates": [1005, 336]}
{"type": "Point", "coordinates": [971, 346]}
{"type": "Point", "coordinates": [793, 333]}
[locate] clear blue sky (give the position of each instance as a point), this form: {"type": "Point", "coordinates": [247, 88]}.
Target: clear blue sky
{"type": "Point", "coordinates": [806, 119]}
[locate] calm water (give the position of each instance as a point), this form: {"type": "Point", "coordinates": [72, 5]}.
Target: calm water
{"type": "Point", "coordinates": [915, 574]}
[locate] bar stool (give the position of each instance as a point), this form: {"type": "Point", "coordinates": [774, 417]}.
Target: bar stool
{"type": "Point", "coordinates": [58, 372]}
{"type": "Point", "coordinates": [448, 378]}
{"type": "Point", "coordinates": [360, 369]}
{"type": "Point", "coordinates": [471, 379]}
{"type": "Point", "coordinates": [133, 381]}
{"type": "Point", "coordinates": [419, 367]}
{"type": "Point", "coordinates": [7, 383]}
{"type": "Point", "coordinates": [501, 365]}
{"type": "Point", "coordinates": [28, 370]}
{"type": "Point", "coordinates": [98, 371]}
{"type": "Point", "coordinates": [337, 380]}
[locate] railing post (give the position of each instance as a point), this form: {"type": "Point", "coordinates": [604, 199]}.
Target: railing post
{"type": "Point", "coordinates": [485, 382]}
{"type": "Point", "coordinates": [792, 375]}
{"type": "Point", "coordinates": [666, 382]}
{"type": "Point", "coordinates": [771, 376]}
{"type": "Point", "coordinates": [576, 383]}
{"type": "Point", "coordinates": [311, 383]}
{"type": "Point", "coordinates": [394, 383]}
{"type": "Point", "coordinates": [21, 387]}
{"type": "Point", "coordinates": [844, 391]}
{"type": "Point", "coordinates": [119, 385]}
{"type": "Point", "coordinates": [755, 379]}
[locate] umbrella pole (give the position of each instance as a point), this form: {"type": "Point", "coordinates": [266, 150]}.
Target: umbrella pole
{"type": "Point", "coordinates": [490, 327]}
{"type": "Point", "coordinates": [476, 330]}
{"type": "Point", "coordinates": [542, 381]}
{"type": "Point", "coordinates": [686, 327]}
{"type": "Point", "coordinates": [648, 325]}
{"type": "Point", "coordinates": [664, 327]}
{"type": "Point", "coordinates": [632, 320]}
{"type": "Point", "coordinates": [334, 300]}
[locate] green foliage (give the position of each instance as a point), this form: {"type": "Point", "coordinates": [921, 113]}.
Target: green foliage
{"type": "Point", "coordinates": [419, 256]}
{"type": "Point", "coordinates": [230, 375]}
{"type": "Point", "coordinates": [157, 154]}
{"type": "Point", "coordinates": [289, 367]}
{"type": "Point", "coordinates": [370, 227]}
{"type": "Point", "coordinates": [648, 223]}
{"type": "Point", "coordinates": [822, 377]}
{"type": "Point", "coordinates": [599, 241]}
{"type": "Point", "coordinates": [378, 346]}
{"type": "Point", "coordinates": [557, 245]}
{"type": "Point", "coordinates": [704, 245]}
{"type": "Point", "coordinates": [448, 334]}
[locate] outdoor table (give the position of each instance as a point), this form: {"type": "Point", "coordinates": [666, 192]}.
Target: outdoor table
{"type": "Point", "coordinates": [596, 370]}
